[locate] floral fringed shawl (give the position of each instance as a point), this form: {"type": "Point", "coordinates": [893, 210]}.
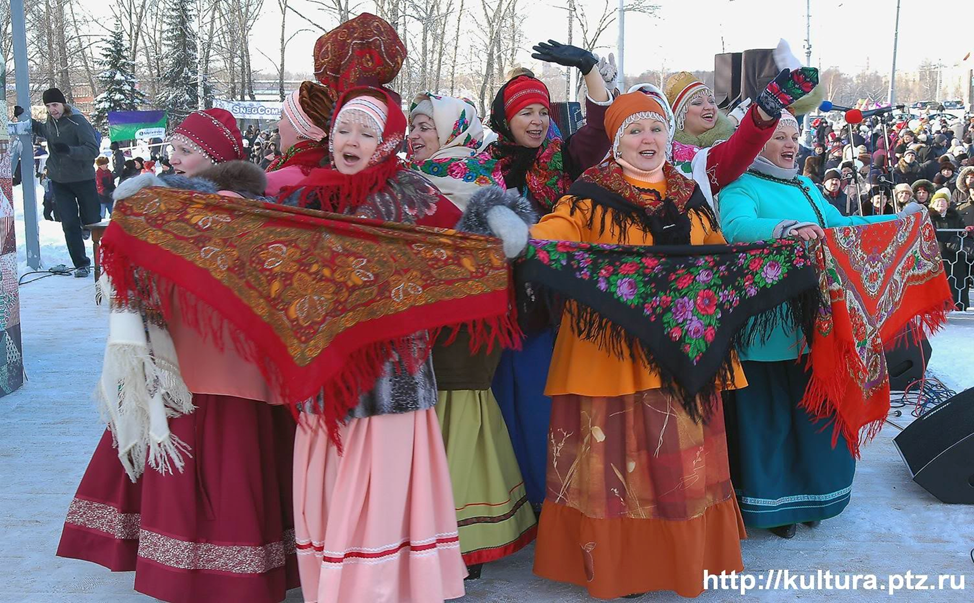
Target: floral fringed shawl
{"type": "Point", "coordinates": [318, 302]}
{"type": "Point", "coordinates": [684, 308]}
{"type": "Point", "coordinates": [880, 279]}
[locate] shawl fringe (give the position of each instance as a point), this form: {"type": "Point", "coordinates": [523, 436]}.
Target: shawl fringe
{"type": "Point", "coordinates": [591, 325]}
{"type": "Point", "coordinates": [137, 289]}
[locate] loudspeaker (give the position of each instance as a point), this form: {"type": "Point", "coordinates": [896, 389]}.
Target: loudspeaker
{"type": "Point", "coordinates": [938, 449]}
{"type": "Point", "coordinates": [757, 71]}
{"type": "Point", "coordinates": [568, 117]}
{"type": "Point", "coordinates": [727, 78]}
{"type": "Point", "coordinates": [906, 361]}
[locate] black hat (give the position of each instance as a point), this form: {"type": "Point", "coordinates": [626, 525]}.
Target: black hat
{"type": "Point", "coordinates": [939, 140]}
{"type": "Point", "coordinates": [832, 173]}
{"type": "Point", "coordinates": [18, 110]}
{"type": "Point", "coordinates": [53, 95]}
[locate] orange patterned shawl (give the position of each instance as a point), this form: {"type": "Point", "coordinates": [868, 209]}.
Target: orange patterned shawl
{"type": "Point", "coordinates": [317, 301]}
{"type": "Point", "coordinates": [880, 278]}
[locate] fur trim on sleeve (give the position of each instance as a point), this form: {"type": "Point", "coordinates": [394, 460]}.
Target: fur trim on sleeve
{"type": "Point", "coordinates": [475, 217]}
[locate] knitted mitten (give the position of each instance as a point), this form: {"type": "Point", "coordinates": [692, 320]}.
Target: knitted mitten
{"type": "Point", "coordinates": [785, 89]}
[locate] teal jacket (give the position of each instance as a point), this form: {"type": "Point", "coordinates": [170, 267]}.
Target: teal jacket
{"type": "Point", "coordinates": [750, 209]}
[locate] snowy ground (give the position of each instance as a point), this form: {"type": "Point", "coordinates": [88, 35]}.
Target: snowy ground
{"type": "Point", "coordinates": [49, 428]}
{"type": "Point", "coordinates": [53, 249]}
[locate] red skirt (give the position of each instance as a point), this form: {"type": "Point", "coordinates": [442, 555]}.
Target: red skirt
{"type": "Point", "coordinates": [222, 530]}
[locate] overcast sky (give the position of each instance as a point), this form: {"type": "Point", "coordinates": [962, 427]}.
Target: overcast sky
{"type": "Point", "coordinates": [686, 34]}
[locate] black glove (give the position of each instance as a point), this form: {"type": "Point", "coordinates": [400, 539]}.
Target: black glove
{"type": "Point", "coordinates": [60, 147]}
{"type": "Point", "coordinates": [563, 54]}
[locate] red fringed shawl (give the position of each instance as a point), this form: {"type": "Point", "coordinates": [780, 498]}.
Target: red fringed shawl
{"type": "Point", "coordinates": [317, 301]}
{"type": "Point", "coordinates": [880, 279]}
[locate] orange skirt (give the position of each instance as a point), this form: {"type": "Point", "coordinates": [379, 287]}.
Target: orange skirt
{"type": "Point", "coordinates": [639, 497]}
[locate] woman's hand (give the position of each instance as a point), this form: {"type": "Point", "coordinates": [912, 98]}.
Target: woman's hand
{"type": "Point", "coordinates": [573, 56]}
{"type": "Point", "coordinates": [809, 233]}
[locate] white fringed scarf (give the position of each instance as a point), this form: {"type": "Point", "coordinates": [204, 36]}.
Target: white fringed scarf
{"type": "Point", "coordinates": [139, 390]}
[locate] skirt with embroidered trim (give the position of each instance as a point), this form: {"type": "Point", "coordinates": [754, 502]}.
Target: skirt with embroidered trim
{"type": "Point", "coordinates": [493, 514]}
{"type": "Point", "coordinates": [376, 524]}
{"type": "Point", "coordinates": [221, 530]}
{"type": "Point", "coordinates": [639, 497]}
{"type": "Point", "coordinates": [519, 384]}
{"type": "Point", "coordinates": [783, 464]}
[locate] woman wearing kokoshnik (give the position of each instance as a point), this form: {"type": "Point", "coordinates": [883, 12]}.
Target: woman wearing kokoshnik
{"type": "Point", "coordinates": [783, 462]}
{"type": "Point", "coordinates": [212, 520]}
{"type": "Point", "coordinates": [303, 128]}
{"type": "Point", "coordinates": [374, 519]}
{"type": "Point", "coordinates": [537, 163]}
{"type": "Point", "coordinates": [493, 514]}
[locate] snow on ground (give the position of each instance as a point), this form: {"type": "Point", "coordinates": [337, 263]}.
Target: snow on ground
{"type": "Point", "coordinates": [50, 427]}
{"type": "Point", "coordinates": [53, 249]}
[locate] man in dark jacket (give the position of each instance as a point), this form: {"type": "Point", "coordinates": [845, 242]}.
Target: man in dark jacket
{"type": "Point", "coordinates": [118, 160]}
{"type": "Point", "coordinates": [73, 147]}
{"type": "Point", "coordinates": [833, 193]}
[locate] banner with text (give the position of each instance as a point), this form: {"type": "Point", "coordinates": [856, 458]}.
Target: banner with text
{"type": "Point", "coordinates": [136, 125]}
{"type": "Point", "coordinates": [268, 110]}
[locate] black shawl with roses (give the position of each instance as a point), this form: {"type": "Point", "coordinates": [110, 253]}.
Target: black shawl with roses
{"type": "Point", "coordinates": [684, 308]}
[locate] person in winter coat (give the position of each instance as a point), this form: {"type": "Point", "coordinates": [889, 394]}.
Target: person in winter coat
{"type": "Point", "coordinates": [956, 248]}
{"type": "Point", "coordinates": [907, 170]}
{"type": "Point", "coordinates": [946, 175]}
{"type": "Point", "coordinates": [833, 193]}
{"type": "Point", "coordinates": [965, 207]}
{"type": "Point", "coordinates": [812, 169]}
{"type": "Point", "coordinates": [923, 191]}
{"type": "Point", "coordinates": [73, 146]}
{"type": "Point", "coordinates": [902, 194]}
{"type": "Point", "coordinates": [964, 182]}
{"type": "Point", "coordinates": [118, 160]}
{"type": "Point", "coordinates": [105, 183]}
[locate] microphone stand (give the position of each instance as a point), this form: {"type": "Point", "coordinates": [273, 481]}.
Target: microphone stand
{"type": "Point", "coordinates": [855, 174]}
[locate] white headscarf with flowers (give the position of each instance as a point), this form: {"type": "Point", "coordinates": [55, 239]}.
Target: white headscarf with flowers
{"type": "Point", "coordinates": [457, 168]}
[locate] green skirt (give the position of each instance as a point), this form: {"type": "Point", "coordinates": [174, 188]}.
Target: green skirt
{"type": "Point", "coordinates": [493, 514]}
{"type": "Point", "coordinates": [783, 466]}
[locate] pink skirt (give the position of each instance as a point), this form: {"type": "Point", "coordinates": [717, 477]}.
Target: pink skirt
{"type": "Point", "coordinates": [222, 530]}
{"type": "Point", "coordinates": [377, 523]}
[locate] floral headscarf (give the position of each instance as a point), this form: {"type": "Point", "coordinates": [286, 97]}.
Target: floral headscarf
{"type": "Point", "coordinates": [457, 168]}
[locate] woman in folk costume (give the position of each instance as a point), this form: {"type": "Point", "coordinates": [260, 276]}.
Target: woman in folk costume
{"type": "Point", "coordinates": [493, 514]}
{"type": "Point", "coordinates": [638, 490]}
{"type": "Point", "coordinates": [303, 128]}
{"type": "Point", "coordinates": [374, 519]}
{"type": "Point", "coordinates": [710, 146]}
{"type": "Point", "coordinates": [218, 524]}
{"type": "Point", "coordinates": [784, 466]}
{"type": "Point", "coordinates": [537, 163]}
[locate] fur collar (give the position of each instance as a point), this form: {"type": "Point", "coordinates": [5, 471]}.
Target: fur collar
{"type": "Point", "coordinates": [722, 130]}
{"type": "Point", "coordinates": [242, 177]}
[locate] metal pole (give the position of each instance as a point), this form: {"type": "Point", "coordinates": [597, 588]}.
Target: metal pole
{"type": "Point", "coordinates": [892, 74]}
{"type": "Point", "coordinates": [807, 121]}
{"type": "Point", "coordinates": [18, 31]}
{"type": "Point", "coordinates": [621, 59]}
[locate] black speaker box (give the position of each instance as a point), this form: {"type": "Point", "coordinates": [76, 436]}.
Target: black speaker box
{"type": "Point", "coordinates": [757, 71]}
{"type": "Point", "coordinates": [938, 449]}
{"type": "Point", "coordinates": [568, 117]}
{"type": "Point", "coordinates": [906, 361]}
{"type": "Point", "coordinates": [727, 78]}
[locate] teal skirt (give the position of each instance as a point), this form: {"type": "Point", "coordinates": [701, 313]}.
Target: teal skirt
{"type": "Point", "coordinates": [783, 466]}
